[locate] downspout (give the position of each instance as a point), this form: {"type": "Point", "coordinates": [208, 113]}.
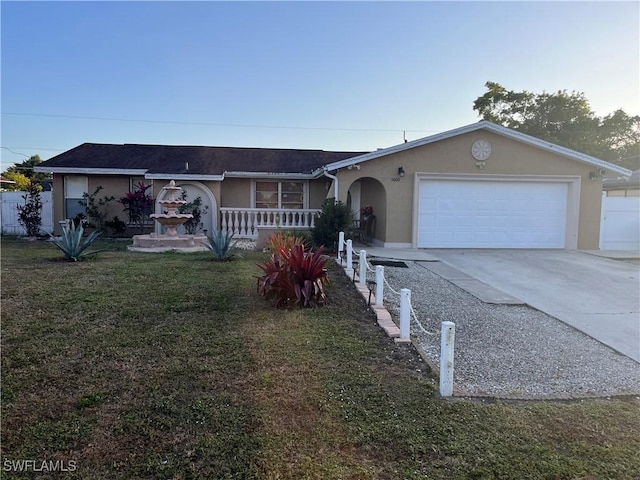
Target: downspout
{"type": "Point", "coordinates": [335, 184]}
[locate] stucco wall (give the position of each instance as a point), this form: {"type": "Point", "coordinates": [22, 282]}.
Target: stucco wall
{"type": "Point", "coordinates": [116, 186]}
{"type": "Point", "coordinates": [318, 192]}
{"type": "Point", "coordinates": [453, 155]}
{"type": "Point", "coordinates": [112, 185]}
{"type": "Point", "coordinates": [235, 192]}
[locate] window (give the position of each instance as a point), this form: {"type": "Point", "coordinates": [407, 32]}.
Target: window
{"type": "Point", "coordinates": [287, 195]}
{"type": "Point", "coordinates": [135, 181]}
{"type": "Point", "coordinates": [74, 187]}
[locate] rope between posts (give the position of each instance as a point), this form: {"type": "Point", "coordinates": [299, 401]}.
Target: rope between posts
{"type": "Point", "coordinates": [413, 312]}
{"type": "Point", "coordinates": [386, 282]}
{"type": "Point", "coordinates": [369, 269]}
{"type": "Point", "coordinates": [415, 319]}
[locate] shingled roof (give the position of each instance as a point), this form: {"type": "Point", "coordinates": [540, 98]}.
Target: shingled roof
{"type": "Point", "coordinates": [205, 161]}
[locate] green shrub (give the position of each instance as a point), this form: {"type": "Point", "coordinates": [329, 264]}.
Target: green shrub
{"type": "Point", "coordinates": [294, 277]}
{"type": "Point", "coordinates": [30, 214]}
{"type": "Point", "coordinates": [334, 218]}
{"type": "Point", "coordinates": [117, 226]}
{"type": "Point", "coordinates": [221, 246]}
{"type": "Point", "coordinates": [72, 244]}
{"type": "Point", "coordinates": [97, 210]}
{"type": "Point", "coordinates": [195, 208]}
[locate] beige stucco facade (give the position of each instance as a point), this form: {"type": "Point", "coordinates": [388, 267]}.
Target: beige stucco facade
{"type": "Point", "coordinates": [112, 185]}
{"type": "Point", "coordinates": [375, 180]}
{"type": "Point", "coordinates": [394, 198]}
{"type": "Point", "coordinates": [230, 193]}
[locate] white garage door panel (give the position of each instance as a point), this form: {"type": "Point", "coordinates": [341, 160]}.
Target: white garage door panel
{"type": "Point", "coordinates": [491, 214]}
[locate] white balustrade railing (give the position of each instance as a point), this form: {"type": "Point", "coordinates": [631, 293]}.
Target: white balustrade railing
{"type": "Point", "coordinates": [245, 222]}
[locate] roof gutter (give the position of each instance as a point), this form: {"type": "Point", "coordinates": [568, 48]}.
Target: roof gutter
{"type": "Point", "coordinates": [183, 176]}
{"type": "Point", "coordinates": [292, 176]}
{"type": "Point", "coordinates": [335, 184]}
{"type": "Point", "coordinates": [94, 171]}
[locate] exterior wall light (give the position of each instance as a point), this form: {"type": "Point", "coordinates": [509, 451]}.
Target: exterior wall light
{"type": "Point", "coordinates": [400, 172]}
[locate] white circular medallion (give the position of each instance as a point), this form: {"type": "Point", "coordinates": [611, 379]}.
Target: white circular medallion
{"type": "Point", "coordinates": [481, 150]}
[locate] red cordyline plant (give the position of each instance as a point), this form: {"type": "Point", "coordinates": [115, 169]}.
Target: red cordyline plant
{"type": "Point", "coordinates": [295, 277]}
{"type": "Point", "coordinates": [138, 204]}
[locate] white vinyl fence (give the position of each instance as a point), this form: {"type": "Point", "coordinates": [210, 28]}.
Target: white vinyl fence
{"type": "Point", "coordinates": [620, 223]}
{"type": "Point", "coordinates": [10, 200]}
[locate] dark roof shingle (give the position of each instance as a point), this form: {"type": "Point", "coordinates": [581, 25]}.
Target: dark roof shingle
{"type": "Point", "coordinates": [172, 159]}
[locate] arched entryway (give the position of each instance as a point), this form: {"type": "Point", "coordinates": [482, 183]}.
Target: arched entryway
{"type": "Point", "coordinates": [369, 192]}
{"type": "Point", "coordinates": [209, 206]}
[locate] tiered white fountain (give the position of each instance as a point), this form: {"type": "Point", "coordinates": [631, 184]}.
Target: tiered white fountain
{"type": "Point", "coordinates": [171, 240]}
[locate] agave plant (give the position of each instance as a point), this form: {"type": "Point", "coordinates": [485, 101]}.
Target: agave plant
{"type": "Point", "coordinates": [221, 245]}
{"type": "Point", "coordinates": [71, 241]}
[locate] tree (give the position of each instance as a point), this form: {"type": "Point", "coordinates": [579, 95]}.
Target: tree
{"type": "Point", "coordinates": [564, 118]}
{"type": "Point", "coordinates": [21, 171]}
{"type": "Point", "coordinates": [22, 182]}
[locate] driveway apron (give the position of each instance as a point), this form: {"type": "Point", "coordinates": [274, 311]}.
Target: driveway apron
{"type": "Point", "coordinates": [598, 296]}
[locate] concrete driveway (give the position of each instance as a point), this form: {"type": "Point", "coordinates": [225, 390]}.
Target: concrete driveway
{"type": "Point", "coordinates": [596, 295]}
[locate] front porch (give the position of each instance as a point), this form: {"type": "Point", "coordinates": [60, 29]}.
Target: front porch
{"type": "Point", "coordinates": [246, 222]}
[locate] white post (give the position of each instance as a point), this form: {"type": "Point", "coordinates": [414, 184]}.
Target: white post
{"type": "Point", "coordinates": [349, 255]}
{"type": "Point", "coordinates": [363, 267]}
{"type": "Point", "coordinates": [340, 242]}
{"type": "Point", "coordinates": [379, 285]}
{"type": "Point", "coordinates": [447, 340]}
{"type": "Point", "coordinates": [405, 314]}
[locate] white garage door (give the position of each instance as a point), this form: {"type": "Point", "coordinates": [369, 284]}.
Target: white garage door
{"type": "Point", "coordinates": [491, 214]}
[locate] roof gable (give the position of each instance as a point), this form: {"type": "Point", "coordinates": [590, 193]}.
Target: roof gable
{"type": "Point", "coordinates": [491, 127]}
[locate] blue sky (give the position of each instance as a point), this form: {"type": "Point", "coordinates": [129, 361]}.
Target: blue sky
{"type": "Point", "coordinates": [333, 75]}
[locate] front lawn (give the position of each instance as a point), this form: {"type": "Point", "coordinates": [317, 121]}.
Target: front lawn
{"type": "Point", "coordinates": [133, 365]}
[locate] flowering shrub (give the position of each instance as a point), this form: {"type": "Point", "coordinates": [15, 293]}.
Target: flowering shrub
{"type": "Point", "coordinates": [138, 204]}
{"type": "Point", "coordinates": [294, 277]}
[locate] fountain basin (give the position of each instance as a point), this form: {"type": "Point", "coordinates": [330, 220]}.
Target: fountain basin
{"type": "Point", "coordinates": [172, 204]}
{"type": "Point", "coordinates": [173, 220]}
{"type": "Point", "coordinates": [154, 242]}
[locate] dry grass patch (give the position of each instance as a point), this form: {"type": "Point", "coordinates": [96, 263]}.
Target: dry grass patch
{"type": "Point", "coordinates": [302, 433]}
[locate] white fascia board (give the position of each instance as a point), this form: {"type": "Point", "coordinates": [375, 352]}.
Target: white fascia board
{"type": "Point", "coordinates": [267, 175]}
{"type": "Point", "coordinates": [492, 127]}
{"type": "Point", "coordinates": [92, 171]}
{"type": "Point", "coordinates": [183, 176]}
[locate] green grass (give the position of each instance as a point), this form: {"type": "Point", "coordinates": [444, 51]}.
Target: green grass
{"type": "Point", "coordinates": [171, 366]}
